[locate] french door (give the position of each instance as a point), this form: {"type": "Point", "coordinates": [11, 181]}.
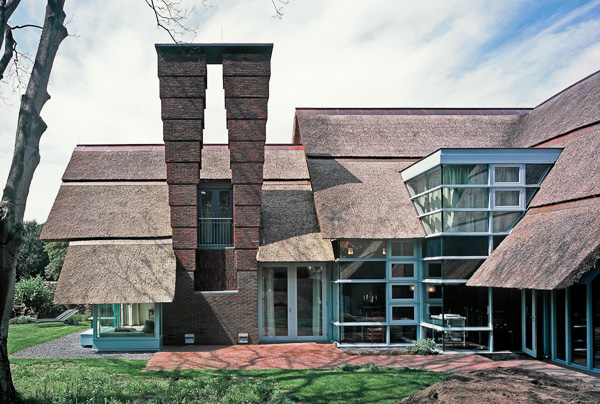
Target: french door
{"type": "Point", "coordinates": [292, 302]}
{"type": "Point", "coordinates": [529, 321]}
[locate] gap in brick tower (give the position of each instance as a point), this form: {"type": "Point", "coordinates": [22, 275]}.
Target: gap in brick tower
{"type": "Point", "coordinates": [215, 125]}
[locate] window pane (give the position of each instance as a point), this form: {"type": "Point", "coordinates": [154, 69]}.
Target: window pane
{"type": "Point", "coordinates": [534, 173]}
{"type": "Point", "coordinates": [362, 302]}
{"type": "Point", "coordinates": [434, 270]}
{"type": "Point", "coordinates": [224, 204]}
{"type": "Point", "coordinates": [465, 246]}
{"type": "Point", "coordinates": [463, 174]}
{"type": "Point", "coordinates": [506, 174]}
{"type": "Point", "coordinates": [362, 270]}
{"type": "Point", "coordinates": [275, 301]}
{"type": "Point", "coordinates": [424, 182]}
{"type": "Point", "coordinates": [466, 306]}
{"type": "Point", "coordinates": [466, 341]}
{"type": "Point", "coordinates": [497, 240]}
{"type": "Point", "coordinates": [465, 198]}
{"type": "Point", "coordinates": [403, 291]}
{"type": "Point", "coordinates": [400, 313]}
{"type": "Point", "coordinates": [529, 193]}
{"type": "Point", "coordinates": [356, 248]}
{"type": "Point", "coordinates": [403, 270]}
{"type": "Point", "coordinates": [403, 249]}
{"type": "Point", "coordinates": [429, 202]}
{"type": "Point", "coordinates": [465, 221]}
{"type": "Point", "coordinates": [432, 223]}
{"type": "Point", "coordinates": [504, 221]}
{"type": "Point", "coordinates": [460, 269]}
{"type": "Point", "coordinates": [126, 320]}
{"type": "Point", "coordinates": [362, 335]}
{"type": "Point", "coordinates": [403, 334]}
{"type": "Point", "coordinates": [206, 208]}
{"type": "Point", "coordinates": [561, 324]}
{"type": "Point", "coordinates": [507, 198]}
{"type": "Point", "coordinates": [432, 247]}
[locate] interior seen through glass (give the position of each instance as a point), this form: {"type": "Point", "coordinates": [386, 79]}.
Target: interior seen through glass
{"type": "Point", "coordinates": [126, 320]}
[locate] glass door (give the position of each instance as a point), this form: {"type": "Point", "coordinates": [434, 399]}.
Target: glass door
{"type": "Point", "coordinates": [275, 303]}
{"type": "Point", "coordinates": [292, 303]}
{"type": "Point", "coordinates": [528, 310]}
{"type": "Point", "coordinates": [309, 296]}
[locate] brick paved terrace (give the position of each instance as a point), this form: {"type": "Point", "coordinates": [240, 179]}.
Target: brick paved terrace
{"type": "Point", "coordinates": [326, 356]}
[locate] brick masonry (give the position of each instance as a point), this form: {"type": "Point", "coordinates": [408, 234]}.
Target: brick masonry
{"type": "Point", "coordinates": [214, 318]}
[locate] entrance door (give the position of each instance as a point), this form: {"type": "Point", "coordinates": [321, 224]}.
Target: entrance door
{"type": "Point", "coordinates": [529, 320]}
{"type": "Point", "coordinates": [292, 303]}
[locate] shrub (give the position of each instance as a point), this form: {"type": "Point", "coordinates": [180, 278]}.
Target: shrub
{"type": "Point", "coordinates": [33, 294]}
{"type": "Point", "coordinates": [21, 320]}
{"type": "Point", "coordinates": [424, 346]}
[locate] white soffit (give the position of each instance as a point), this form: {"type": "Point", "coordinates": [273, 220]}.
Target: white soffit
{"type": "Point", "coordinates": [481, 156]}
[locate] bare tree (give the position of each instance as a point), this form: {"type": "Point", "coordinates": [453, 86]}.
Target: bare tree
{"type": "Point", "coordinates": [26, 157]}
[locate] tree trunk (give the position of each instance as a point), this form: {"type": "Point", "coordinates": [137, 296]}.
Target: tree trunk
{"type": "Point", "coordinates": [26, 157]}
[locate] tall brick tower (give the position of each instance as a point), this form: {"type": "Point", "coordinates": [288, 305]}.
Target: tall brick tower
{"type": "Point", "coordinates": [216, 310]}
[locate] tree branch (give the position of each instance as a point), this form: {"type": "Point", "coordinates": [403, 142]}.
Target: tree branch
{"type": "Point", "coordinates": [25, 26]}
{"type": "Point", "coordinates": [171, 19]}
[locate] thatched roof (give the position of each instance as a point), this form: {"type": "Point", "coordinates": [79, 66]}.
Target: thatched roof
{"type": "Point", "coordinates": [117, 273]}
{"type": "Point", "coordinates": [577, 106]}
{"type": "Point", "coordinates": [363, 199]}
{"type": "Point", "coordinates": [550, 248]}
{"type": "Point", "coordinates": [215, 163]}
{"type": "Point", "coordinates": [281, 163]}
{"type": "Point", "coordinates": [109, 210]}
{"type": "Point", "coordinates": [117, 163]}
{"type": "Point", "coordinates": [285, 164]}
{"type": "Point", "coordinates": [403, 135]}
{"type": "Point", "coordinates": [576, 173]}
{"type": "Point", "coordinates": [290, 228]}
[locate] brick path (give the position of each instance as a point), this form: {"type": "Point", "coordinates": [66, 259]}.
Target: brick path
{"type": "Point", "coordinates": [325, 356]}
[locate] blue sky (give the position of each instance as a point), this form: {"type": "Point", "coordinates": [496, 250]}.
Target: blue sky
{"type": "Point", "coordinates": [339, 53]}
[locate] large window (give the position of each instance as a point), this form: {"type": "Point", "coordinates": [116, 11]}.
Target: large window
{"type": "Point", "coordinates": [216, 217]}
{"type": "Point", "coordinates": [375, 283]}
{"type": "Point", "coordinates": [474, 199]}
{"type": "Point", "coordinates": [129, 320]}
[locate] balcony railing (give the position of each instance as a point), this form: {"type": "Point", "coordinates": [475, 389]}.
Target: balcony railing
{"type": "Point", "coordinates": [215, 232]}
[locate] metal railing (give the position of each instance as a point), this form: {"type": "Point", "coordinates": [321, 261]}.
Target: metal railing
{"type": "Point", "coordinates": [215, 232]}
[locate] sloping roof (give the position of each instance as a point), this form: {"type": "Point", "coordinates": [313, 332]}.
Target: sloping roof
{"type": "Point", "coordinates": [109, 210]}
{"type": "Point", "coordinates": [117, 163]}
{"type": "Point", "coordinates": [363, 199]}
{"type": "Point", "coordinates": [117, 273]}
{"type": "Point", "coordinates": [575, 107]}
{"type": "Point", "coordinates": [285, 163]}
{"type": "Point", "coordinates": [402, 135]}
{"type": "Point", "coordinates": [215, 164]}
{"type": "Point", "coordinates": [550, 248]}
{"type": "Point", "coordinates": [576, 173]}
{"type": "Point", "coordinates": [290, 227]}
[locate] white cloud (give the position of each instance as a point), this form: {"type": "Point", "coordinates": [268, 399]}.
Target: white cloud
{"type": "Point", "coordinates": [340, 53]}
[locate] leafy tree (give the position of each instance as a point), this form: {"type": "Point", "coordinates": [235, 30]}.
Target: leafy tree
{"type": "Point", "coordinates": [56, 255]}
{"type": "Point", "coordinates": [32, 258]}
{"type": "Point", "coordinates": [33, 294]}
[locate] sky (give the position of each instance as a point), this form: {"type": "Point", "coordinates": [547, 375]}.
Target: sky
{"type": "Point", "coordinates": [338, 53]}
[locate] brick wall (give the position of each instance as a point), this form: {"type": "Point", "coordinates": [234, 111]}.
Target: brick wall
{"type": "Point", "coordinates": [214, 318]}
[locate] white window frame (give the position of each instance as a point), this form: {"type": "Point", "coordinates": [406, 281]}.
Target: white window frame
{"type": "Point", "coordinates": [521, 181]}
{"type": "Point", "coordinates": [521, 205]}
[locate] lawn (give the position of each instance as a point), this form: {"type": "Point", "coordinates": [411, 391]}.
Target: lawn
{"type": "Point", "coordinates": [122, 381]}
{"type": "Point", "coordinates": [21, 336]}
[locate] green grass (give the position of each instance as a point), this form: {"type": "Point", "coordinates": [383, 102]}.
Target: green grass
{"type": "Point", "coordinates": [122, 381]}
{"type": "Point", "coordinates": [21, 336]}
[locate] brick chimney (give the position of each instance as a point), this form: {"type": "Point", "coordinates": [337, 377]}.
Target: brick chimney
{"type": "Point", "coordinates": [182, 76]}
